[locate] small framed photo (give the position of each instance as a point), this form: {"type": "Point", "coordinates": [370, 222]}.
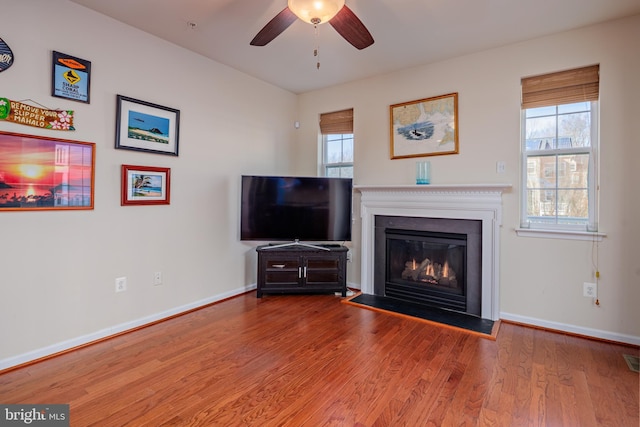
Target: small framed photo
{"type": "Point", "coordinates": [145, 185]}
{"type": "Point", "coordinates": [143, 126]}
{"type": "Point", "coordinates": [70, 77]}
{"type": "Point", "coordinates": [426, 127]}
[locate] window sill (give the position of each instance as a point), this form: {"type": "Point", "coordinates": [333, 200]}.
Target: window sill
{"type": "Point", "coordinates": [561, 234]}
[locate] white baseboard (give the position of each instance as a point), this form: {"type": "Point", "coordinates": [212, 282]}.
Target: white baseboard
{"type": "Point", "coordinates": [114, 330]}
{"type": "Point", "coordinates": [578, 330]}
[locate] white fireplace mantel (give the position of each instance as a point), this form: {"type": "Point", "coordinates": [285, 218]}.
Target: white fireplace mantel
{"type": "Point", "coordinates": [456, 201]}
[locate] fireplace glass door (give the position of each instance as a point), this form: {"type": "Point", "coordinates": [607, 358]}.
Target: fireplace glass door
{"type": "Point", "coordinates": [427, 267]}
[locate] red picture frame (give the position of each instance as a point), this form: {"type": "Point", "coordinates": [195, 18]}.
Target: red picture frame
{"type": "Point", "coordinates": [145, 185]}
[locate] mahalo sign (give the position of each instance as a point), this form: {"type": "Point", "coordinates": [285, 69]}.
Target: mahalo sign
{"type": "Point", "coordinates": [17, 112]}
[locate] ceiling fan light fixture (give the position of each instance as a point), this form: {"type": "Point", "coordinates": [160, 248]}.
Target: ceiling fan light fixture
{"type": "Point", "coordinates": [315, 11]}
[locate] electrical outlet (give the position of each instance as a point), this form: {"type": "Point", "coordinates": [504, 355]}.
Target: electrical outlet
{"type": "Point", "coordinates": [121, 284]}
{"type": "Point", "coordinates": [501, 166]}
{"type": "Point", "coordinates": [589, 289]}
{"type": "Point", "coordinates": [157, 278]}
{"type": "Point", "coordinates": [349, 259]}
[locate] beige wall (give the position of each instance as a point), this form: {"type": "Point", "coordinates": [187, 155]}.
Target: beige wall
{"type": "Point", "coordinates": [58, 268]}
{"type": "Point", "coordinates": [541, 279]}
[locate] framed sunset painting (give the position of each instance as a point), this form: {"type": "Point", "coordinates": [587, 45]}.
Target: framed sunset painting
{"type": "Point", "coordinates": [42, 173]}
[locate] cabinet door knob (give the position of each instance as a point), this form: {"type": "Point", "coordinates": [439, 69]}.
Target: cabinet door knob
{"type": "Point", "coordinates": [278, 266]}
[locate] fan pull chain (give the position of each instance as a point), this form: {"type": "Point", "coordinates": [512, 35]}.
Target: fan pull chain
{"type": "Point", "coordinates": [316, 51]}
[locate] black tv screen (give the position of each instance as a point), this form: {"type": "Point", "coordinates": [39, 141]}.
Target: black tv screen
{"type": "Point", "coordinates": [285, 208]}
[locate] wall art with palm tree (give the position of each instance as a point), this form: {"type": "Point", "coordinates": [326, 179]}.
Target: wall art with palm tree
{"type": "Point", "coordinates": [145, 185]}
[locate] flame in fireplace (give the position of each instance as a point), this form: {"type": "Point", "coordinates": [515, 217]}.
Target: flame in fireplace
{"type": "Point", "coordinates": [429, 272]}
{"type": "Point", "coordinates": [432, 269]}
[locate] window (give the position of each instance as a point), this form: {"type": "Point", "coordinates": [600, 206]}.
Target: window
{"type": "Point", "coordinates": [338, 155]}
{"type": "Point", "coordinates": [337, 143]}
{"type": "Point", "coordinates": [559, 143]}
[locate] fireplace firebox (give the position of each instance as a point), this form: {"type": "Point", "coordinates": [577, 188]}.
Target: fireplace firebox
{"type": "Point", "coordinates": [427, 267]}
{"type": "Point", "coordinates": [430, 261]}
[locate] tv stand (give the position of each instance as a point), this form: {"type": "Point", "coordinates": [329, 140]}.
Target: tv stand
{"type": "Point", "coordinates": [297, 243]}
{"type": "Point", "coordinates": [301, 268]}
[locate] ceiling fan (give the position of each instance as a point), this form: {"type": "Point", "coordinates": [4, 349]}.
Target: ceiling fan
{"type": "Point", "coordinates": [315, 12]}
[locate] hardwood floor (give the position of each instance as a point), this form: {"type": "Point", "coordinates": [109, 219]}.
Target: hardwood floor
{"type": "Point", "coordinates": [312, 361]}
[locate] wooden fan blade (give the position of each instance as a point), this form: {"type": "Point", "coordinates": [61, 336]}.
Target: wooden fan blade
{"type": "Point", "coordinates": [347, 24]}
{"type": "Point", "coordinates": [274, 27]}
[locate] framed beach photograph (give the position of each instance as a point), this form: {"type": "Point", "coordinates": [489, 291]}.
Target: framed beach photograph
{"type": "Point", "coordinates": [43, 173]}
{"type": "Point", "coordinates": [144, 126]}
{"type": "Point", "coordinates": [426, 127]}
{"type": "Point", "coordinates": [145, 185]}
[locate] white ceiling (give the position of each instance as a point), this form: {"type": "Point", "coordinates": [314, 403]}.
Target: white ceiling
{"type": "Point", "coordinates": [406, 32]}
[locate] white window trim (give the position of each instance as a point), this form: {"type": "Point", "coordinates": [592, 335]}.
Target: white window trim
{"type": "Point", "coordinates": [557, 231]}
{"type": "Point", "coordinates": [325, 165]}
{"type": "Point", "coordinates": [561, 234]}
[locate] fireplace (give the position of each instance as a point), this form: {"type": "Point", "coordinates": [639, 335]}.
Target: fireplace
{"type": "Point", "coordinates": [477, 211]}
{"type": "Point", "coordinates": [431, 261]}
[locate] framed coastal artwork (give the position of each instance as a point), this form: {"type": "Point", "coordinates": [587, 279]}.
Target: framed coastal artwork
{"type": "Point", "coordinates": [145, 185]}
{"type": "Point", "coordinates": [144, 126]}
{"type": "Point", "coordinates": [426, 127]}
{"type": "Point", "coordinates": [44, 173]}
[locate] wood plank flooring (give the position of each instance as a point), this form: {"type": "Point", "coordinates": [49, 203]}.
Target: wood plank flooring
{"type": "Point", "coordinates": [312, 361]}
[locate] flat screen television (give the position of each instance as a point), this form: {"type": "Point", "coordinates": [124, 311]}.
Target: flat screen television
{"type": "Point", "coordinates": [295, 208]}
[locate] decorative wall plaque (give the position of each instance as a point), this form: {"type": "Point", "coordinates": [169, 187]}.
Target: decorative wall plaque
{"type": "Point", "coordinates": [6, 56]}
{"type": "Point", "coordinates": [70, 77]}
{"type": "Point", "coordinates": [24, 114]}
